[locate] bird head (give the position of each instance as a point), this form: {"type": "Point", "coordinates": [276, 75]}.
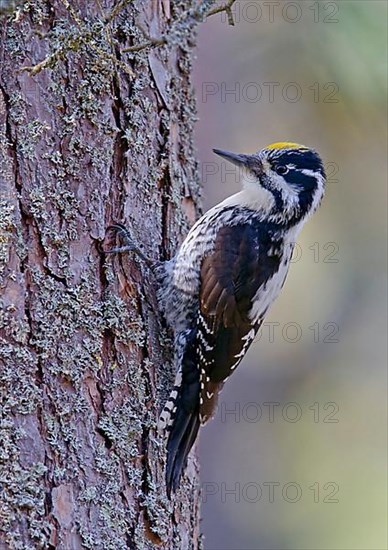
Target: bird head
{"type": "Point", "coordinates": [291, 175]}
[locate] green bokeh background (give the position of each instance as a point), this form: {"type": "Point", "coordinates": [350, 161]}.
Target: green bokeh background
{"type": "Point", "coordinates": [346, 45]}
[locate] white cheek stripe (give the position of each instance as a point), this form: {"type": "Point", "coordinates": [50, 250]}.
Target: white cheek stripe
{"type": "Point", "coordinates": [319, 192]}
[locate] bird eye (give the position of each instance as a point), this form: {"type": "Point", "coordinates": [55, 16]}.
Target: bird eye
{"type": "Point", "coordinates": [281, 170]}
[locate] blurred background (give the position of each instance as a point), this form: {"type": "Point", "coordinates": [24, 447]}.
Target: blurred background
{"type": "Point", "coordinates": [296, 457]}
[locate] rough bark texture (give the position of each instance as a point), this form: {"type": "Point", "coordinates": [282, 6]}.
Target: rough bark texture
{"type": "Point", "coordinates": [91, 136]}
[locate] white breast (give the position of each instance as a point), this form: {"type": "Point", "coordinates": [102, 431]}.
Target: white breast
{"type": "Point", "coordinates": [267, 293]}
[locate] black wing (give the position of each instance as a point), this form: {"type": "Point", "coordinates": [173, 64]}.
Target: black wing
{"type": "Point", "coordinates": [241, 262]}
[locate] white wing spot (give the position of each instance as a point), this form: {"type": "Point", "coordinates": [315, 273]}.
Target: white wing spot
{"type": "Point", "coordinates": [250, 335]}
{"type": "Point", "coordinates": [204, 324]}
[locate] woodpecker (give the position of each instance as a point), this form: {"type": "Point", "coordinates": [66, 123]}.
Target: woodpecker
{"type": "Point", "coordinates": [220, 284]}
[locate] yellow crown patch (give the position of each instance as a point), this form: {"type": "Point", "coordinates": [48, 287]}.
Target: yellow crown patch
{"type": "Point", "coordinates": [286, 145]}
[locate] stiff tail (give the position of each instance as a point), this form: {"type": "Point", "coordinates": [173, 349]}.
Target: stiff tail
{"type": "Point", "coordinates": [181, 414]}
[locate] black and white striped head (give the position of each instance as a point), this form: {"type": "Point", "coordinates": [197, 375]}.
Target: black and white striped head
{"type": "Point", "coordinates": [292, 175]}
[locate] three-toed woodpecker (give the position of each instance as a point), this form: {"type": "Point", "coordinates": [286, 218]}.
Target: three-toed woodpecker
{"type": "Point", "coordinates": [230, 268]}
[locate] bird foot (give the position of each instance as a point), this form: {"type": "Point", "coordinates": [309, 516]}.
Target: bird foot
{"type": "Point", "coordinates": [129, 245]}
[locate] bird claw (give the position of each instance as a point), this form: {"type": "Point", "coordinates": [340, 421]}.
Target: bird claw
{"type": "Point", "coordinates": [120, 249]}
{"type": "Point", "coordinates": [129, 246]}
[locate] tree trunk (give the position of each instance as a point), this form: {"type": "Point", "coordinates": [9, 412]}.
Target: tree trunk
{"type": "Point", "coordinates": [90, 135]}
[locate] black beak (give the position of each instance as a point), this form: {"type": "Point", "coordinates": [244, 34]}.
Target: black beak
{"type": "Point", "coordinates": [251, 162]}
{"type": "Point", "coordinates": [234, 158]}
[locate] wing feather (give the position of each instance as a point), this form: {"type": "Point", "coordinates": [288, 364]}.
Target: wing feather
{"type": "Point", "coordinates": [230, 277]}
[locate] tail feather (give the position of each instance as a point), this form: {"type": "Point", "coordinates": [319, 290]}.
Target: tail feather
{"type": "Point", "coordinates": [184, 420]}
{"type": "Point", "coordinates": [180, 442]}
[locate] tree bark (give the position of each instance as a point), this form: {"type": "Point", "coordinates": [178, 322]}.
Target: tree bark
{"type": "Point", "coordinates": [91, 134]}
